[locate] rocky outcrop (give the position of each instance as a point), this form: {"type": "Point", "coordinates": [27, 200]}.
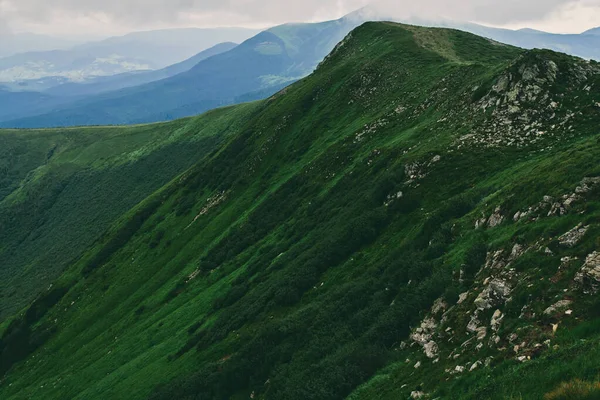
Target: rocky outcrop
{"type": "Point", "coordinates": [588, 277]}
{"type": "Point", "coordinates": [550, 206]}
{"type": "Point", "coordinates": [561, 305]}
{"type": "Point", "coordinates": [423, 336]}
{"type": "Point", "coordinates": [496, 293]}
{"type": "Point", "coordinates": [496, 320]}
{"type": "Point", "coordinates": [495, 219]}
{"type": "Point", "coordinates": [574, 236]}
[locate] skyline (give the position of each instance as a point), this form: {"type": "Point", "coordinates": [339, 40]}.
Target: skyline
{"type": "Point", "coordinates": [94, 19]}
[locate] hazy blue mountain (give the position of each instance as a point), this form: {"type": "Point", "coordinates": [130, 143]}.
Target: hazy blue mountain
{"type": "Point", "coordinates": [115, 82]}
{"type": "Point", "coordinates": [13, 43]}
{"type": "Point", "coordinates": [133, 52]}
{"type": "Point", "coordinates": [594, 31]}
{"type": "Point", "coordinates": [581, 45]}
{"type": "Point", "coordinates": [255, 69]}
{"type": "Point", "coordinates": [16, 104]}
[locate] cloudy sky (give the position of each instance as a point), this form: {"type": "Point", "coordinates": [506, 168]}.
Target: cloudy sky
{"type": "Point", "coordinates": [108, 17]}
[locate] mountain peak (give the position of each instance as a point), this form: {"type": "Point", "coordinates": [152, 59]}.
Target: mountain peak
{"type": "Point", "coordinates": [593, 31]}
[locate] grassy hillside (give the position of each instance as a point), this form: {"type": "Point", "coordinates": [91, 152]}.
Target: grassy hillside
{"type": "Point", "coordinates": [313, 253]}
{"type": "Point", "coordinates": [61, 189]}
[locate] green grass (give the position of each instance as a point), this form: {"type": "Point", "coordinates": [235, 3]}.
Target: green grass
{"type": "Point", "coordinates": [263, 257]}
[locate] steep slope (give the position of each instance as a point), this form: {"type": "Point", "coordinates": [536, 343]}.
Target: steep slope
{"type": "Point", "coordinates": [60, 190]}
{"type": "Point", "coordinates": [254, 70]}
{"type": "Point", "coordinates": [116, 82]}
{"type": "Point", "coordinates": [298, 260]}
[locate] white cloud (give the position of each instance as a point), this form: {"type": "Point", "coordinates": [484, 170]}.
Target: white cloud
{"type": "Point", "coordinates": [117, 16]}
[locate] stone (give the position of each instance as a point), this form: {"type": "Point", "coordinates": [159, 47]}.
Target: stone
{"type": "Point", "coordinates": [495, 294]}
{"type": "Point", "coordinates": [558, 306]}
{"type": "Point", "coordinates": [473, 324]}
{"type": "Point", "coordinates": [418, 365]}
{"type": "Point", "coordinates": [481, 333]}
{"type": "Point", "coordinates": [431, 349]}
{"type": "Point", "coordinates": [574, 236]}
{"type": "Point", "coordinates": [462, 297]}
{"type": "Point", "coordinates": [475, 365]}
{"type": "Point", "coordinates": [496, 218]}
{"type": "Point", "coordinates": [459, 369]}
{"type": "Point", "coordinates": [417, 394]}
{"type": "Point", "coordinates": [588, 277]}
{"type": "Point", "coordinates": [439, 306]}
{"type": "Point", "coordinates": [496, 320]}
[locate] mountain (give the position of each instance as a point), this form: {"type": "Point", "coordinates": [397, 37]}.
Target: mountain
{"type": "Point", "coordinates": [595, 31]}
{"type": "Point", "coordinates": [120, 81]}
{"type": "Point", "coordinates": [23, 103]}
{"type": "Point", "coordinates": [14, 104]}
{"type": "Point", "coordinates": [132, 52]}
{"type": "Point", "coordinates": [581, 45]}
{"type": "Point", "coordinates": [418, 218]}
{"type": "Point", "coordinates": [253, 70]}
{"type": "Point", "coordinates": [303, 46]}
{"type": "Point", "coordinates": [13, 43]}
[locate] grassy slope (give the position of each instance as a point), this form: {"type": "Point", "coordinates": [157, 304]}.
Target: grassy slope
{"type": "Point", "coordinates": [61, 189]}
{"type": "Point", "coordinates": [274, 266]}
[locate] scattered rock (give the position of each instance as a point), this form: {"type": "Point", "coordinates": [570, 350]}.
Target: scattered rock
{"type": "Point", "coordinates": [496, 320]}
{"type": "Point", "coordinates": [496, 218]}
{"type": "Point", "coordinates": [439, 306]}
{"type": "Point", "coordinates": [423, 336]}
{"type": "Point", "coordinates": [481, 333]}
{"type": "Point", "coordinates": [473, 324]}
{"type": "Point", "coordinates": [431, 349]}
{"type": "Point", "coordinates": [417, 395]}
{"type": "Point", "coordinates": [495, 294]}
{"type": "Point", "coordinates": [574, 236]}
{"type": "Point", "coordinates": [558, 306]}
{"type": "Point", "coordinates": [459, 369]}
{"type": "Point", "coordinates": [475, 365]}
{"type": "Point", "coordinates": [588, 278]}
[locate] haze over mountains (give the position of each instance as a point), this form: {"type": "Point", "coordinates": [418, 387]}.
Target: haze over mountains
{"type": "Point", "coordinates": [254, 70]}
{"type": "Point", "coordinates": [133, 52]}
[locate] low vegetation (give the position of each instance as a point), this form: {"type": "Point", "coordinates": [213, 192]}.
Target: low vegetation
{"type": "Point", "coordinates": [418, 218]}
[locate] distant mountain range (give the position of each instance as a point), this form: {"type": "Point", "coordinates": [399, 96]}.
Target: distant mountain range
{"type": "Point", "coordinates": [255, 69]}
{"type": "Point", "coordinates": [595, 31]}
{"type": "Point", "coordinates": [115, 82]}
{"type": "Point", "coordinates": [585, 45]}
{"type": "Point", "coordinates": [223, 75]}
{"type": "Point", "coordinates": [13, 43]}
{"type": "Point", "coordinates": [133, 52]}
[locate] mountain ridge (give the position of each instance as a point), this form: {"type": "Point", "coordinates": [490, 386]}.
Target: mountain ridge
{"type": "Point", "coordinates": [301, 256]}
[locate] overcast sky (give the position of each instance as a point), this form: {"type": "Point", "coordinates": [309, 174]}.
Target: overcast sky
{"type": "Point", "coordinates": [109, 17]}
